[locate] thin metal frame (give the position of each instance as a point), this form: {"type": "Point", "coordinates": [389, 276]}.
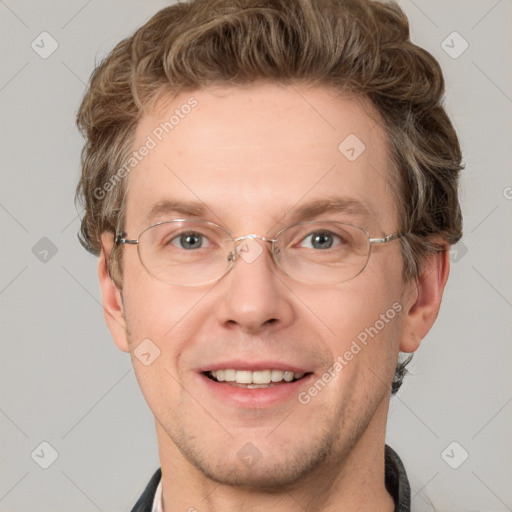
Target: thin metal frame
{"type": "Point", "coordinates": [121, 239]}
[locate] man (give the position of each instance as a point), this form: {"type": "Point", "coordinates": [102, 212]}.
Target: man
{"type": "Point", "coordinates": [272, 189]}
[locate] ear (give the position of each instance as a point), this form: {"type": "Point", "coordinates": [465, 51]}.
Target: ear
{"type": "Point", "coordinates": [423, 300]}
{"type": "Point", "coordinates": [111, 296]}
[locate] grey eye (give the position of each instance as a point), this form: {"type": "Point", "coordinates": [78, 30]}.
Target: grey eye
{"type": "Point", "coordinates": [320, 240]}
{"type": "Point", "coordinates": [190, 240]}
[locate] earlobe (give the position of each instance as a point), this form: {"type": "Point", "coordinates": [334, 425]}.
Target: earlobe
{"type": "Point", "coordinates": [425, 296]}
{"type": "Point", "coordinates": [113, 307]}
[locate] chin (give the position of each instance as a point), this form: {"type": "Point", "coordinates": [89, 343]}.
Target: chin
{"type": "Point", "coordinates": [270, 470]}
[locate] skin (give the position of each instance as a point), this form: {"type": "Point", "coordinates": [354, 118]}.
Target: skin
{"type": "Point", "coordinates": [253, 154]}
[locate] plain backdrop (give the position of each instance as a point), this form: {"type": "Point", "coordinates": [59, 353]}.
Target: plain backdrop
{"type": "Point", "coordinates": [63, 382]}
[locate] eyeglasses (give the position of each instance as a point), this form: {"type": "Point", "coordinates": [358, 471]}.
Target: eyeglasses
{"type": "Point", "coordinates": [195, 252]}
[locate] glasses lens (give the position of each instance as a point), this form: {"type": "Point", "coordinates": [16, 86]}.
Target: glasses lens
{"type": "Point", "coordinates": [185, 252]}
{"type": "Point", "coordinates": [322, 252]}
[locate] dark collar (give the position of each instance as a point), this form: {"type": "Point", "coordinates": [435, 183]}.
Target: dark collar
{"type": "Point", "coordinates": [397, 485]}
{"type": "Point", "coordinates": [145, 502]}
{"type": "Point", "coordinates": [397, 482]}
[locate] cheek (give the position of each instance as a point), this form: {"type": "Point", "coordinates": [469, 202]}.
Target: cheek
{"type": "Point", "coordinates": [151, 307]}
{"type": "Point", "coordinates": [364, 347]}
{"type": "Point", "coordinates": [158, 311]}
{"type": "Point", "coordinates": [362, 320]}
{"type": "Point", "coordinates": [170, 317]}
{"type": "Point", "coordinates": [161, 326]}
{"type": "Point", "coordinates": [354, 306]}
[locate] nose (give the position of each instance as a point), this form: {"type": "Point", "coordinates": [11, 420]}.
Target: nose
{"type": "Point", "coordinates": [253, 296]}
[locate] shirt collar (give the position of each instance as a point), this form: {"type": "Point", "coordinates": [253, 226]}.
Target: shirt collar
{"type": "Point", "coordinates": [157, 501]}
{"type": "Point", "coordinates": [397, 483]}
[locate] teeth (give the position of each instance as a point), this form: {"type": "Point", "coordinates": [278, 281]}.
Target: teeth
{"type": "Point", "coordinates": [229, 375]}
{"type": "Point", "coordinates": [277, 375]}
{"type": "Point", "coordinates": [288, 376]}
{"type": "Point", "coordinates": [261, 377]}
{"type": "Point", "coordinates": [243, 377]}
{"type": "Point", "coordinates": [258, 378]}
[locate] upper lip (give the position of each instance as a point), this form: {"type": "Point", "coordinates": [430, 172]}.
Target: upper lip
{"type": "Point", "coordinates": [253, 366]}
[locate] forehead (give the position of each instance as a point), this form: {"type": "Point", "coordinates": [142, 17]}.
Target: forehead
{"type": "Point", "coordinates": [258, 153]}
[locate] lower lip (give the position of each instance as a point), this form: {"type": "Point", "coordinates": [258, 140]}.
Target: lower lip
{"type": "Point", "coordinates": [256, 398]}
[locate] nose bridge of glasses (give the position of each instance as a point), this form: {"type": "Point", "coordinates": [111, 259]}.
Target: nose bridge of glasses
{"type": "Point", "coordinates": [247, 248]}
{"type": "Point", "coordinates": [252, 236]}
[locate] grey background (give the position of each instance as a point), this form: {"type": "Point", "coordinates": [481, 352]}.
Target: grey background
{"type": "Point", "coordinates": [62, 381]}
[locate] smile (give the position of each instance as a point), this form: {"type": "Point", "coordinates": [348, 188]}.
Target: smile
{"type": "Point", "coordinates": [253, 379]}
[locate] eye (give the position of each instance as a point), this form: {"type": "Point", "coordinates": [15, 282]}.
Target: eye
{"type": "Point", "coordinates": [320, 240]}
{"type": "Point", "coordinates": [190, 240]}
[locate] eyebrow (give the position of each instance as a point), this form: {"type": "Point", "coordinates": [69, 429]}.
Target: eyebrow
{"type": "Point", "coordinates": [168, 206]}
{"type": "Point", "coordinates": [330, 204]}
{"type": "Point", "coordinates": [309, 210]}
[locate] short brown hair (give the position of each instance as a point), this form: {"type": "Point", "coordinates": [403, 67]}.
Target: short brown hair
{"type": "Point", "coordinates": [360, 46]}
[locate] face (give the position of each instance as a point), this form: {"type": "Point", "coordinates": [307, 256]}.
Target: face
{"type": "Point", "coordinates": [251, 157]}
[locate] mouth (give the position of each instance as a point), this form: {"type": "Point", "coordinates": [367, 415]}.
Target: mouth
{"type": "Point", "coordinates": [258, 379]}
{"type": "Point", "coordinates": [253, 384]}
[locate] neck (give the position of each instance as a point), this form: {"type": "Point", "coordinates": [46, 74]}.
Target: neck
{"type": "Point", "coordinates": [351, 481]}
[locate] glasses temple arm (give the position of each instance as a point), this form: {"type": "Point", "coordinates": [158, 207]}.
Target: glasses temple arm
{"type": "Point", "coordinates": [386, 239]}
{"type": "Point", "coordinates": [121, 239]}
